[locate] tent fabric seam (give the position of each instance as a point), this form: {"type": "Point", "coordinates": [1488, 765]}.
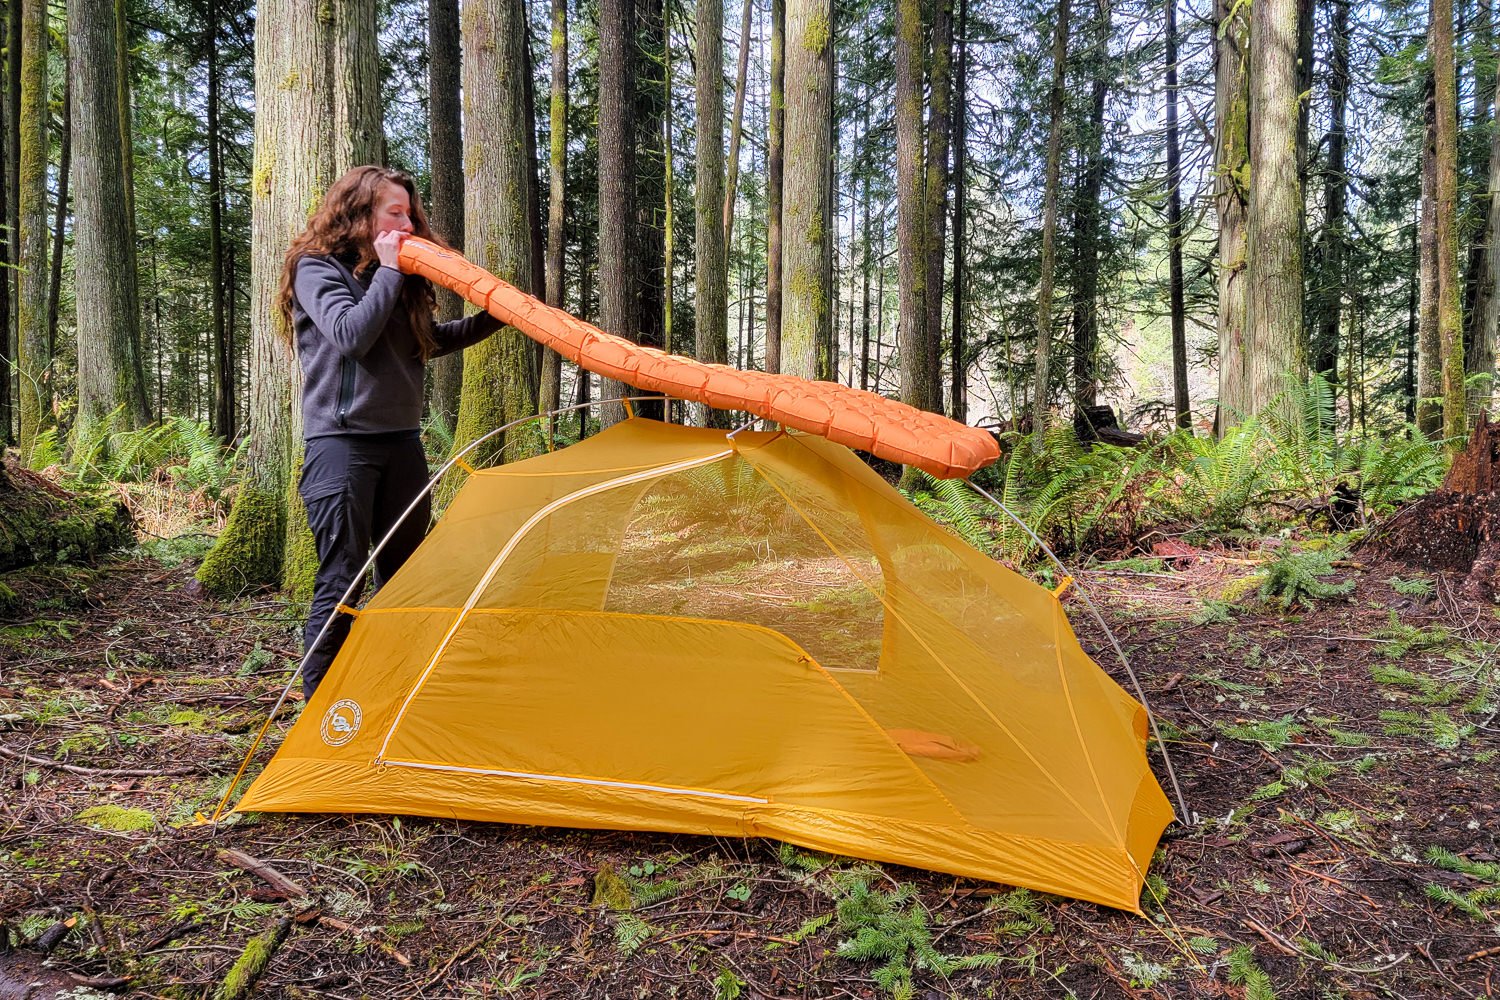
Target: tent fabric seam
{"type": "Point", "coordinates": [573, 779]}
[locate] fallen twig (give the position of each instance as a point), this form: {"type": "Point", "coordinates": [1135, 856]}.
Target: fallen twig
{"type": "Point", "coordinates": [711, 932]}
{"type": "Point", "coordinates": [1476, 956]}
{"type": "Point", "coordinates": [264, 872]}
{"type": "Point", "coordinates": [290, 890]}
{"type": "Point", "coordinates": [100, 772]}
{"type": "Point", "coordinates": [389, 949]}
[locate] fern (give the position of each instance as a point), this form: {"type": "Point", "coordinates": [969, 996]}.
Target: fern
{"type": "Point", "coordinates": [631, 932]}
{"type": "Point", "coordinates": [1271, 735]}
{"type": "Point", "coordinates": [1415, 587]}
{"type": "Point", "coordinates": [1485, 871]}
{"type": "Point", "coordinates": [1398, 468]}
{"type": "Point", "coordinates": [1244, 972]}
{"type": "Point", "coordinates": [891, 927]}
{"type": "Point", "coordinates": [954, 504]}
{"type": "Point", "coordinates": [727, 985]}
{"type": "Point", "coordinates": [1457, 900]}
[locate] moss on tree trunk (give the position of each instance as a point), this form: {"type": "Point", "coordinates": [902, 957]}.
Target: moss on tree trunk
{"type": "Point", "coordinates": [249, 550]}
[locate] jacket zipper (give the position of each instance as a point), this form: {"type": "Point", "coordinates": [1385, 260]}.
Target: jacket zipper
{"type": "Point", "coordinates": [346, 390]}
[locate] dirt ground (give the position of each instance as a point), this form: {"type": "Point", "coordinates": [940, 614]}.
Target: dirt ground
{"type": "Point", "coordinates": [1341, 761]}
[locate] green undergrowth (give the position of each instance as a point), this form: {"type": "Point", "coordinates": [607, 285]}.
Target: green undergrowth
{"type": "Point", "coordinates": [1092, 498]}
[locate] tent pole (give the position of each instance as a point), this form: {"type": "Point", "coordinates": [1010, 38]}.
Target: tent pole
{"type": "Point", "coordinates": [1184, 814]}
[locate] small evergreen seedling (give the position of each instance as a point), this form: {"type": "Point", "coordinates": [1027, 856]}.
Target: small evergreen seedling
{"type": "Point", "coordinates": [1296, 578]}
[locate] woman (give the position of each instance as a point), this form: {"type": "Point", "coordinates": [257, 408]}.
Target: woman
{"type": "Point", "coordinates": [363, 333]}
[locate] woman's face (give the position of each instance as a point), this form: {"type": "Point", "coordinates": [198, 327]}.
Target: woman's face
{"type": "Point", "coordinates": [392, 211]}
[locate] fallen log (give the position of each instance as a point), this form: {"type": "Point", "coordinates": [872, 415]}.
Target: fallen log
{"type": "Point", "coordinates": [41, 521]}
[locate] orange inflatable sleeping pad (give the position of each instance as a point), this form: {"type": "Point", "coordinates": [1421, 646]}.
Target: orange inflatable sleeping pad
{"type": "Point", "coordinates": [850, 417]}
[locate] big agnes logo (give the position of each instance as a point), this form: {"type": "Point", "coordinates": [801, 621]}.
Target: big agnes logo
{"type": "Point", "coordinates": [341, 722]}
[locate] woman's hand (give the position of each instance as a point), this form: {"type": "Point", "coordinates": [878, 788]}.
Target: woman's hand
{"type": "Point", "coordinates": [388, 247]}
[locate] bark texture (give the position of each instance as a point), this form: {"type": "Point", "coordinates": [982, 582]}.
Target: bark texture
{"type": "Point", "coordinates": [359, 133]}
{"type": "Point", "coordinates": [110, 374]}
{"type": "Point", "coordinates": [711, 275]}
{"type": "Point", "coordinates": [1429, 345]}
{"type": "Point", "coordinates": [446, 161]}
{"type": "Point", "coordinates": [1180, 404]}
{"type": "Point", "coordinates": [617, 294]}
{"type": "Point", "coordinates": [1329, 294]}
{"type": "Point", "coordinates": [557, 169]}
{"type": "Point", "coordinates": [496, 389]}
{"type": "Point", "coordinates": [1450, 291]}
{"type": "Point", "coordinates": [911, 264]}
{"type": "Point", "coordinates": [33, 356]}
{"type": "Point", "coordinates": [1232, 199]}
{"type": "Point", "coordinates": [1274, 222]}
{"type": "Point", "coordinates": [1481, 359]}
{"type": "Point", "coordinates": [807, 295]}
{"type": "Point", "coordinates": [1042, 386]}
{"type": "Point", "coordinates": [775, 169]}
{"type": "Point", "coordinates": [935, 215]}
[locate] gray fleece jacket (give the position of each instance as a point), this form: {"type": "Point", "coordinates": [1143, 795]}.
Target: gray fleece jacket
{"type": "Point", "coordinates": [361, 373]}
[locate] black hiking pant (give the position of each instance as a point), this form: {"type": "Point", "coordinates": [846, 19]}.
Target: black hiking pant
{"type": "Point", "coordinates": [354, 488]}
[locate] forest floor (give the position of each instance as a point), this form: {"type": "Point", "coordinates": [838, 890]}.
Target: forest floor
{"type": "Point", "coordinates": [1342, 760]}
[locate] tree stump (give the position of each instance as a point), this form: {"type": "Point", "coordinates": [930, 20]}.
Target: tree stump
{"type": "Point", "coordinates": [42, 522]}
{"type": "Point", "coordinates": [1457, 527]}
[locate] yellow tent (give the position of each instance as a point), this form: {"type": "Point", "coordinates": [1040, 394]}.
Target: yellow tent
{"type": "Point", "coordinates": [670, 628]}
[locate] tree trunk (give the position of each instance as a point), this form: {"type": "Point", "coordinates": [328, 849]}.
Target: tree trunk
{"type": "Point", "coordinates": [1486, 319]}
{"type": "Point", "coordinates": [617, 294]}
{"type": "Point", "coordinates": [711, 276]}
{"type": "Point", "coordinates": [911, 336]}
{"type": "Point", "coordinates": [668, 215]}
{"type": "Point", "coordinates": [1429, 366]}
{"type": "Point", "coordinates": [358, 129]}
{"type": "Point", "coordinates": [60, 213]}
{"type": "Point", "coordinates": [1175, 233]}
{"type": "Point", "coordinates": [1086, 237]}
{"type": "Point", "coordinates": [959, 392]}
{"type": "Point", "coordinates": [807, 295]}
{"type": "Point", "coordinates": [446, 161]}
{"type": "Point", "coordinates": [265, 539]}
{"type": "Point", "coordinates": [1043, 394]}
{"type": "Point", "coordinates": [31, 210]}
{"type": "Point", "coordinates": [1409, 377]}
{"type": "Point", "coordinates": [736, 125]}
{"type": "Point", "coordinates": [222, 350]}
{"type": "Point", "coordinates": [1329, 296]}
{"type": "Point", "coordinates": [557, 217]}
{"type": "Point", "coordinates": [1450, 293]}
{"type": "Point", "coordinates": [650, 246]}
{"type": "Point", "coordinates": [1274, 222]}
{"type": "Point", "coordinates": [1475, 171]}
{"type": "Point", "coordinates": [864, 335]}
{"type": "Point", "coordinates": [775, 153]}
{"type": "Point", "coordinates": [538, 250]}
{"type": "Point", "coordinates": [828, 320]}
{"type": "Point", "coordinates": [496, 387]}
{"type": "Point", "coordinates": [935, 215]}
{"type": "Point", "coordinates": [110, 373]}
{"type": "Point", "coordinates": [1232, 197]}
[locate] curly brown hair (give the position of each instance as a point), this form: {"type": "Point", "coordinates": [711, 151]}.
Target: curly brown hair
{"type": "Point", "coordinates": [341, 228]}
